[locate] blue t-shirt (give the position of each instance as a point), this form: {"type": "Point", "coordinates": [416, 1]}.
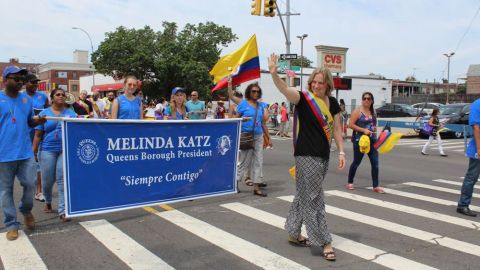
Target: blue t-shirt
{"type": "Point", "coordinates": [247, 110]}
{"type": "Point", "coordinates": [52, 136]}
{"type": "Point", "coordinates": [39, 99]}
{"type": "Point", "coordinates": [178, 116]}
{"type": "Point", "coordinates": [128, 109]}
{"type": "Point", "coordinates": [194, 107]}
{"type": "Point", "coordinates": [473, 119]}
{"type": "Point", "coordinates": [15, 143]}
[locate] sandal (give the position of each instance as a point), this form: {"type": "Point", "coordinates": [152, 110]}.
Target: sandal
{"type": "Point", "coordinates": [48, 208]}
{"type": "Point", "coordinates": [259, 193]}
{"type": "Point", "coordinates": [300, 242]}
{"type": "Point", "coordinates": [248, 182]}
{"type": "Point", "coordinates": [329, 255]}
{"type": "Point", "coordinates": [262, 185]}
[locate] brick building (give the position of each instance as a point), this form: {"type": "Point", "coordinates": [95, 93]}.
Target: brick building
{"type": "Point", "coordinates": [473, 79]}
{"type": "Point", "coordinates": [31, 67]}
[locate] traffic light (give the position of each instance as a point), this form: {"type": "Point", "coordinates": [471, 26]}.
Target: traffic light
{"type": "Point", "coordinates": [269, 8]}
{"type": "Point", "coordinates": [256, 7]}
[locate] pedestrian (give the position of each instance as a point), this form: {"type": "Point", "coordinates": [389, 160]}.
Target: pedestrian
{"type": "Point", "coordinates": [232, 109]}
{"type": "Point", "coordinates": [83, 107]}
{"type": "Point", "coordinates": [160, 109]}
{"type": "Point", "coordinates": [40, 102]}
{"type": "Point", "coordinates": [363, 121]}
{"type": "Point", "coordinates": [473, 171]}
{"type": "Point", "coordinates": [318, 120]}
{"type": "Point", "coordinates": [108, 104]}
{"type": "Point", "coordinates": [282, 131]}
{"type": "Point", "coordinates": [99, 106]}
{"type": "Point", "coordinates": [220, 110]}
{"type": "Point", "coordinates": [47, 147]}
{"type": "Point", "coordinates": [255, 114]}
{"type": "Point", "coordinates": [273, 109]}
{"type": "Point", "coordinates": [16, 159]}
{"type": "Point", "coordinates": [344, 115]}
{"type": "Point", "coordinates": [434, 123]}
{"type": "Point", "coordinates": [196, 107]}
{"type": "Point", "coordinates": [177, 110]}
{"type": "Point", "coordinates": [128, 106]}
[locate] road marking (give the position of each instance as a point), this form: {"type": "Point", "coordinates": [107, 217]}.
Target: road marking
{"type": "Point", "coordinates": [444, 145]}
{"type": "Point", "coordinates": [477, 186]}
{"type": "Point", "coordinates": [125, 248]}
{"type": "Point", "coordinates": [407, 209]}
{"type": "Point", "coordinates": [375, 255]}
{"type": "Point", "coordinates": [250, 252]}
{"type": "Point", "coordinates": [19, 254]}
{"type": "Point", "coordinates": [401, 229]}
{"type": "Point", "coordinates": [436, 188]}
{"type": "Point", "coordinates": [425, 198]}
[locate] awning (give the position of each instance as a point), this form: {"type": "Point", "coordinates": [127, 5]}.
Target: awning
{"type": "Point", "coordinates": [110, 87]}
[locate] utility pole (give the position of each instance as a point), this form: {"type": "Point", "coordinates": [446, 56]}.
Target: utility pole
{"type": "Point", "coordinates": [286, 31]}
{"type": "Point", "coordinates": [302, 37]}
{"type": "Point", "coordinates": [448, 55]}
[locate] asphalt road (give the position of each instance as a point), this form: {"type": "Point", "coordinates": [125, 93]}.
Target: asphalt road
{"type": "Point", "coordinates": [413, 226]}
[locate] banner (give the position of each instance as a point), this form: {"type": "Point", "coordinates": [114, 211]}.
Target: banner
{"type": "Point", "coordinates": [112, 165]}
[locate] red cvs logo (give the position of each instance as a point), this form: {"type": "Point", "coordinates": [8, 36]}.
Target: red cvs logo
{"type": "Point", "coordinates": [334, 59]}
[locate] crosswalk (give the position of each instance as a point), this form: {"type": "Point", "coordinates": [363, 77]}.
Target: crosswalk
{"type": "Point", "coordinates": [449, 145]}
{"type": "Point", "coordinates": [394, 214]}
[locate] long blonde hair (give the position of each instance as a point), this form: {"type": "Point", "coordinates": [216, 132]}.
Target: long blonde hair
{"type": "Point", "coordinates": [174, 106]}
{"type": "Point", "coordinates": [327, 78]}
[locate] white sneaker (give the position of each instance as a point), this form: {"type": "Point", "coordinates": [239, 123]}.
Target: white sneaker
{"type": "Point", "coordinates": [39, 197]}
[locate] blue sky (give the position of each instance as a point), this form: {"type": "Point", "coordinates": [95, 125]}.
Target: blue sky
{"type": "Point", "coordinates": [388, 37]}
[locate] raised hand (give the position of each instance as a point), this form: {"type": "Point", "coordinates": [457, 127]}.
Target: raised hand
{"type": "Point", "coordinates": [272, 63]}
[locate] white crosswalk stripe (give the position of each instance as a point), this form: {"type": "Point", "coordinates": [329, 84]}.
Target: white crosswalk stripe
{"type": "Point", "coordinates": [477, 186]}
{"type": "Point", "coordinates": [19, 254]}
{"type": "Point", "coordinates": [125, 248]}
{"type": "Point", "coordinates": [358, 249]}
{"type": "Point", "coordinates": [448, 190]}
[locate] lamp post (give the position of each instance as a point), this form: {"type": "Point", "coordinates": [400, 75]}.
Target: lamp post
{"type": "Point", "coordinates": [302, 37]}
{"type": "Point", "coordinates": [91, 46]}
{"type": "Point", "coordinates": [448, 55]}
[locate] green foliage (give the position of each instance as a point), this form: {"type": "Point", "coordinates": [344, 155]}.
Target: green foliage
{"type": "Point", "coordinates": [298, 62]}
{"type": "Point", "coordinates": [164, 59]}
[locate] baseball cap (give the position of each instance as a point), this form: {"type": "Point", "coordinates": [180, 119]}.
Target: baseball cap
{"type": "Point", "coordinates": [177, 89]}
{"type": "Point", "coordinates": [31, 78]}
{"type": "Point", "coordinates": [13, 70]}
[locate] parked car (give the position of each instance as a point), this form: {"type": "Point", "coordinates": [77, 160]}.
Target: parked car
{"type": "Point", "coordinates": [397, 110]}
{"type": "Point", "coordinates": [451, 114]}
{"type": "Point", "coordinates": [427, 107]}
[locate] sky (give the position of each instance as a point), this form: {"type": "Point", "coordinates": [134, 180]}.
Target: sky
{"type": "Point", "coordinates": [394, 38]}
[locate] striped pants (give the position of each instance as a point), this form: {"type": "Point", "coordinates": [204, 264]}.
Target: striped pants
{"type": "Point", "coordinates": [308, 206]}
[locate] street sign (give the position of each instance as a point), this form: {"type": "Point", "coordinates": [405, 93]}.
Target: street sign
{"type": "Point", "coordinates": [290, 56]}
{"type": "Point", "coordinates": [290, 73]}
{"type": "Point", "coordinates": [296, 68]}
{"type": "Point", "coordinates": [282, 65]}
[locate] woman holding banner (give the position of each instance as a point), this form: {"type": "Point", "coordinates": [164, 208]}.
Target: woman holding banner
{"type": "Point", "coordinates": [255, 115]}
{"type": "Point", "coordinates": [48, 139]}
{"type": "Point", "coordinates": [317, 120]}
{"type": "Point", "coordinates": [364, 122]}
{"type": "Point", "coordinates": [177, 110]}
{"type": "Point", "coordinates": [128, 106]}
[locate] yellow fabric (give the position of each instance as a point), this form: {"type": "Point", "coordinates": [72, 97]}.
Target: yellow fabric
{"type": "Point", "coordinates": [364, 144]}
{"type": "Point", "coordinates": [221, 69]}
{"type": "Point", "coordinates": [388, 145]}
{"type": "Point", "coordinates": [292, 172]}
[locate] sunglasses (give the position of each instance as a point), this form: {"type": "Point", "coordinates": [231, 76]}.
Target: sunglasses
{"type": "Point", "coordinates": [366, 98]}
{"type": "Point", "coordinates": [16, 78]}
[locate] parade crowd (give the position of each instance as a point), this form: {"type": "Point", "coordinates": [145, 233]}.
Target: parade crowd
{"type": "Point", "coordinates": [31, 147]}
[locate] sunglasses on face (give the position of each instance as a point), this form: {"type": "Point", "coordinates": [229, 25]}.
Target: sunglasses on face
{"type": "Point", "coordinates": [16, 78]}
{"type": "Point", "coordinates": [366, 98]}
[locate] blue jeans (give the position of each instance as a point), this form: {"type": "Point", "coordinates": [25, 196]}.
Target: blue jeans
{"type": "Point", "coordinates": [469, 181]}
{"type": "Point", "coordinates": [51, 165]}
{"type": "Point", "coordinates": [357, 159]}
{"type": "Point", "coordinates": [25, 172]}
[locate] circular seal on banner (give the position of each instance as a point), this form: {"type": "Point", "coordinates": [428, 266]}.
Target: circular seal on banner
{"type": "Point", "coordinates": [223, 144]}
{"type": "Point", "coordinates": [87, 151]}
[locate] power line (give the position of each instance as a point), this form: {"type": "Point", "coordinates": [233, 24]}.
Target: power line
{"type": "Point", "coordinates": [468, 29]}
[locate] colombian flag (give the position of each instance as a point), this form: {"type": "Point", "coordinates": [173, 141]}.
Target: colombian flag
{"type": "Point", "coordinates": [244, 66]}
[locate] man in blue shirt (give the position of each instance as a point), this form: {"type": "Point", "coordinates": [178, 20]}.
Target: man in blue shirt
{"type": "Point", "coordinates": [40, 102]}
{"type": "Point", "coordinates": [16, 116]}
{"type": "Point", "coordinates": [473, 150]}
{"type": "Point", "coordinates": [196, 108]}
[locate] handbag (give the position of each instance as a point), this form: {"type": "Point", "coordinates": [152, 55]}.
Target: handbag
{"type": "Point", "coordinates": [427, 129]}
{"type": "Point", "coordinates": [247, 138]}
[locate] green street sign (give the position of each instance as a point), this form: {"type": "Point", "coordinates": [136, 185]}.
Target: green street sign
{"type": "Point", "coordinates": [296, 68]}
{"type": "Point", "coordinates": [282, 65]}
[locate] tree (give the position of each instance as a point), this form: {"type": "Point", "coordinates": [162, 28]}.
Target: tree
{"type": "Point", "coordinates": [298, 62]}
{"type": "Point", "coordinates": [165, 59]}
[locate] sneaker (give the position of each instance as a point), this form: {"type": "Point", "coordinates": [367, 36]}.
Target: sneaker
{"type": "Point", "coordinates": [378, 190]}
{"type": "Point", "coordinates": [29, 221]}
{"type": "Point", "coordinates": [425, 154]}
{"type": "Point", "coordinates": [349, 186]}
{"type": "Point", "coordinates": [444, 155]}
{"type": "Point", "coordinates": [12, 235]}
{"type": "Point", "coordinates": [39, 197]}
